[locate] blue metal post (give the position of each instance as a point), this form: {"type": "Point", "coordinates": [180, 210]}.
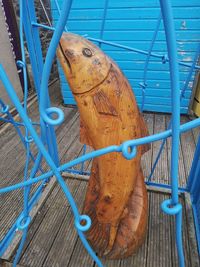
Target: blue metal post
{"type": "Point", "coordinates": [176, 208]}
{"type": "Point", "coordinates": [36, 59]}
{"type": "Point", "coordinates": [195, 162]}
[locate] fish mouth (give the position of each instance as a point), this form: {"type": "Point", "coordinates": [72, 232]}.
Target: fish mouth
{"type": "Point", "coordinates": [65, 57]}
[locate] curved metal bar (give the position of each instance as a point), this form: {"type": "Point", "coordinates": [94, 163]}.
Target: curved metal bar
{"type": "Point", "coordinates": [22, 63]}
{"type": "Point", "coordinates": [48, 64]}
{"type": "Point", "coordinates": [144, 84]}
{"type": "Point", "coordinates": [128, 48]}
{"type": "Point", "coordinates": [141, 141]}
{"type": "Point", "coordinates": [181, 97]}
{"type": "Point", "coordinates": [37, 140]}
{"type": "Point", "coordinates": [103, 19]}
{"type": "Point", "coordinates": [175, 96]}
{"type": "Point", "coordinates": [58, 8]}
{"type": "Point", "coordinates": [163, 58]}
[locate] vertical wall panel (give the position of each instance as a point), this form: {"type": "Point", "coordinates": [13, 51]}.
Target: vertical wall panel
{"type": "Point", "coordinates": [132, 23]}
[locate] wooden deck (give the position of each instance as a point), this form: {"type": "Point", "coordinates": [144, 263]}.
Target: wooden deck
{"type": "Point", "coordinates": [52, 240]}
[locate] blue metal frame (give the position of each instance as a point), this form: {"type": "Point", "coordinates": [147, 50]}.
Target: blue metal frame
{"type": "Point", "coordinates": [36, 59]}
{"type": "Point", "coordinates": [194, 188]}
{"type": "Point", "coordinates": [170, 206]}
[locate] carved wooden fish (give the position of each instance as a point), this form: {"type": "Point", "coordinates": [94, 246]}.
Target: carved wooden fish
{"type": "Point", "coordinates": [116, 198]}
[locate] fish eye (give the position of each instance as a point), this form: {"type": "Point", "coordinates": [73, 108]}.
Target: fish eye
{"type": "Point", "coordinates": [87, 52]}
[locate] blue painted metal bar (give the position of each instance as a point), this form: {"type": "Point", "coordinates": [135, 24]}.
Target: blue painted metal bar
{"type": "Point", "coordinates": [25, 208]}
{"type": "Point", "coordinates": [195, 162]}
{"type": "Point", "coordinates": [59, 11]}
{"type": "Point", "coordinates": [194, 187]}
{"type": "Point", "coordinates": [131, 143]}
{"type": "Point", "coordinates": [36, 59]}
{"type": "Point", "coordinates": [181, 97]}
{"type": "Point", "coordinates": [171, 207]}
{"type": "Point", "coordinates": [128, 48]}
{"type": "Point", "coordinates": [103, 19]}
{"type": "Point", "coordinates": [175, 96]}
{"type": "Point", "coordinates": [144, 83]}
{"type": "Point", "coordinates": [9, 236]}
{"type": "Point", "coordinates": [50, 162]}
{"type": "Point", "coordinates": [25, 221]}
{"type": "Point", "coordinates": [139, 51]}
{"type": "Point", "coordinates": [33, 43]}
{"type": "Point", "coordinates": [159, 185]}
{"type": "Point", "coordinates": [39, 25]}
{"type": "Point", "coordinates": [71, 170]}
{"type": "Point", "coordinates": [20, 124]}
{"type": "Point", "coordinates": [22, 63]}
{"type": "Point", "coordinates": [197, 225]}
{"type": "Point", "coordinates": [45, 113]}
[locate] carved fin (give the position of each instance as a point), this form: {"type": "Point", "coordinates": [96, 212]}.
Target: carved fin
{"type": "Point", "coordinates": [84, 138]}
{"type": "Point", "coordinates": [103, 105]}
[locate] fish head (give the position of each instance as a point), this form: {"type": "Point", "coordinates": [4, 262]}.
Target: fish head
{"type": "Point", "coordinates": [84, 64]}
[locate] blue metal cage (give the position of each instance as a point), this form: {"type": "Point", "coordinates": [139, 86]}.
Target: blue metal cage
{"type": "Point", "coordinates": [46, 142]}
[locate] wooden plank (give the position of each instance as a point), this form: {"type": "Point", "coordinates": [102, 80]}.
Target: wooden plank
{"type": "Point", "coordinates": [66, 238]}
{"type": "Point", "coordinates": [182, 175]}
{"type": "Point", "coordinates": [140, 257]}
{"type": "Point", "coordinates": [159, 239]}
{"type": "Point", "coordinates": [156, 251]}
{"type": "Point", "coordinates": [188, 147]}
{"type": "Point", "coordinates": [186, 241]}
{"type": "Point", "coordinates": [161, 174]}
{"type": "Point", "coordinates": [8, 216]}
{"type": "Point", "coordinates": [9, 264]}
{"type": "Point", "coordinates": [196, 134]}
{"type": "Point", "coordinates": [196, 107]}
{"type": "Point", "coordinates": [184, 236]}
{"type": "Point", "coordinates": [45, 194]}
{"type": "Point", "coordinates": [80, 256]}
{"type": "Point", "coordinates": [37, 220]}
{"type": "Point", "coordinates": [48, 229]}
{"type": "Point", "coordinates": [110, 263]}
{"type": "Point", "coordinates": [147, 157]}
{"type": "Point", "coordinates": [70, 149]}
{"type": "Point", "coordinates": [193, 250]}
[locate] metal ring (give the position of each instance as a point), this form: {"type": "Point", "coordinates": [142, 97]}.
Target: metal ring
{"type": "Point", "coordinates": [21, 64]}
{"type": "Point", "coordinates": [5, 109]}
{"type": "Point", "coordinates": [128, 151]}
{"type": "Point", "coordinates": [53, 110]}
{"type": "Point", "coordinates": [173, 210]}
{"type": "Point", "coordinates": [23, 222]}
{"type": "Point", "coordinates": [28, 139]}
{"type": "Point", "coordinates": [87, 225]}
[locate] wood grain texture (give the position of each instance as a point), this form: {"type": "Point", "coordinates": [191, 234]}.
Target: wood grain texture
{"type": "Point", "coordinates": [64, 131]}
{"type": "Point", "coordinates": [116, 198]}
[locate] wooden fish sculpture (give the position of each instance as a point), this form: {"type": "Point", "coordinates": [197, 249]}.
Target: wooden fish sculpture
{"type": "Point", "coordinates": [116, 198]}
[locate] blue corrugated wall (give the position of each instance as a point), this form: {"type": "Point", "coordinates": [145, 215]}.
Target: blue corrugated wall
{"type": "Point", "coordinates": [132, 23]}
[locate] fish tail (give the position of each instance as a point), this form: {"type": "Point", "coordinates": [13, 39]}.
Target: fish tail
{"type": "Point", "coordinates": [132, 228]}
